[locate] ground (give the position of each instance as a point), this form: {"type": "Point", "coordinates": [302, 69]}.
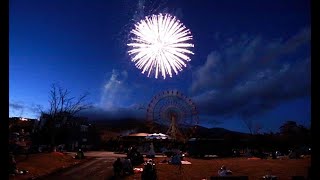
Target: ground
{"type": "Point", "coordinates": [99, 165]}
{"type": "Point", "coordinates": [254, 168]}
{"type": "Point", "coordinates": [42, 164]}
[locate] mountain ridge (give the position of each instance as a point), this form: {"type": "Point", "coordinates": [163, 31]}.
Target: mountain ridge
{"type": "Point", "coordinates": [136, 125]}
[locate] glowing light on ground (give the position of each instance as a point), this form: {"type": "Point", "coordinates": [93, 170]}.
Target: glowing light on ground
{"type": "Point", "coordinates": [160, 44]}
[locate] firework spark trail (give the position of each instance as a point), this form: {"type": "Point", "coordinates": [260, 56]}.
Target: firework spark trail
{"type": "Point", "coordinates": [159, 44]}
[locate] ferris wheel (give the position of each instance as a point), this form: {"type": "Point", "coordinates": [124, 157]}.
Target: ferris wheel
{"type": "Point", "coordinates": [175, 112]}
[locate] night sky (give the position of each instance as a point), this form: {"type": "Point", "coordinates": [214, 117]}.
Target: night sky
{"type": "Point", "coordinates": [252, 58]}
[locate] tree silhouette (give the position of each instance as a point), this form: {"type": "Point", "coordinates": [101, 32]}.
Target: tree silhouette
{"type": "Point", "coordinates": [289, 128]}
{"type": "Point", "coordinates": [295, 135]}
{"type": "Point", "coordinates": [62, 108]}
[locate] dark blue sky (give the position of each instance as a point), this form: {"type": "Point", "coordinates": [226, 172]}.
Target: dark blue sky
{"type": "Point", "coordinates": [251, 62]}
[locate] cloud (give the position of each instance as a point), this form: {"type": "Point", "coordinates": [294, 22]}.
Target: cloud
{"type": "Point", "coordinates": [115, 90]}
{"type": "Point", "coordinates": [118, 99]}
{"type": "Point", "coordinates": [252, 75]}
{"type": "Point", "coordinates": [21, 109]}
{"type": "Point", "coordinates": [16, 106]}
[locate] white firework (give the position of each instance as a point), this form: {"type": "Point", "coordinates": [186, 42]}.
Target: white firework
{"type": "Point", "coordinates": [160, 44]}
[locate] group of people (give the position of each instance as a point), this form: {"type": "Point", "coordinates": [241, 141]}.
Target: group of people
{"type": "Point", "coordinates": [135, 156]}
{"type": "Point", "coordinates": [122, 167]}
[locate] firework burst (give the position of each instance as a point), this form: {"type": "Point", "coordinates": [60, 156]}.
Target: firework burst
{"type": "Point", "coordinates": [160, 44]}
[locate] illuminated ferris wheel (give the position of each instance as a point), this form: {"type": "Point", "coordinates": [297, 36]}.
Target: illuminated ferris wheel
{"type": "Point", "coordinates": [174, 111]}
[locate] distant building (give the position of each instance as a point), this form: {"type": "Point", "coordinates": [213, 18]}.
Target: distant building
{"type": "Point", "coordinates": [16, 124]}
{"type": "Point", "coordinates": [20, 132]}
{"type": "Point", "coordinates": [72, 131]}
{"type": "Point", "coordinates": [78, 136]}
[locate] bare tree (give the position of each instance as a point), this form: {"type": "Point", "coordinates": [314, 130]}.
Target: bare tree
{"type": "Point", "coordinates": [254, 128]}
{"type": "Point", "coordinates": [257, 128]}
{"type": "Point", "coordinates": [248, 122]}
{"type": "Point", "coordinates": [62, 106]}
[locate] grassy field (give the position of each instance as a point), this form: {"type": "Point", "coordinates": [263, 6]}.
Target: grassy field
{"type": "Point", "coordinates": [44, 163]}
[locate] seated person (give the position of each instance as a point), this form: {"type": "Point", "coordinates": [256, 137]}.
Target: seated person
{"type": "Point", "coordinates": [127, 166]}
{"type": "Point", "coordinates": [223, 171]}
{"type": "Point", "coordinates": [149, 171]}
{"type": "Point", "coordinates": [80, 154]}
{"type": "Point", "coordinates": [117, 167]}
{"type": "Point", "coordinates": [176, 159]}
